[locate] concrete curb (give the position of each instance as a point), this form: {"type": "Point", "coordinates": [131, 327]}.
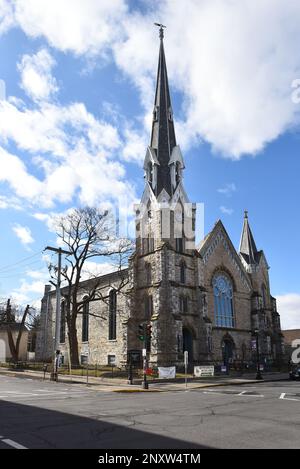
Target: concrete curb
{"type": "Point", "coordinates": [128, 389]}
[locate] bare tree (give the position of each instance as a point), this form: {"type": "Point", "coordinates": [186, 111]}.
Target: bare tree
{"type": "Point", "coordinates": [89, 235]}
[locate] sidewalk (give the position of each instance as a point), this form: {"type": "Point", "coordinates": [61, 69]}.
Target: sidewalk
{"type": "Point", "coordinates": [121, 385]}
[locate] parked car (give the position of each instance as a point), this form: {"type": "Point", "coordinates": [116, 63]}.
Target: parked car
{"type": "Point", "coordinates": [295, 372]}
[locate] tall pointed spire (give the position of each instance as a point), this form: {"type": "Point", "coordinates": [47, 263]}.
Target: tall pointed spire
{"type": "Point", "coordinates": [247, 245]}
{"type": "Point", "coordinates": [163, 138]}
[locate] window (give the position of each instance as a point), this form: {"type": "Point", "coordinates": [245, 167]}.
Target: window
{"type": "Point", "coordinates": [148, 269]}
{"type": "Point", "coordinates": [223, 299]}
{"type": "Point", "coordinates": [112, 326]}
{"type": "Point", "coordinates": [148, 244]}
{"type": "Point", "coordinates": [179, 244]}
{"type": "Point", "coordinates": [62, 338]}
{"type": "Point", "coordinates": [183, 304]}
{"type": "Point", "coordinates": [182, 272]}
{"type": "Point", "coordinates": [148, 306]}
{"type": "Point", "coordinates": [264, 296]}
{"type": "Point", "coordinates": [85, 322]}
{"type": "Point", "coordinates": [177, 172]}
{"type": "Point", "coordinates": [150, 172]}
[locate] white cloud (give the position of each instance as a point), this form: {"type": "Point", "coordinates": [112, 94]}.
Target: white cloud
{"type": "Point", "coordinates": [7, 202]}
{"type": "Point", "coordinates": [83, 27]}
{"type": "Point", "coordinates": [234, 62]}
{"type": "Point", "coordinates": [6, 16]}
{"type": "Point", "coordinates": [76, 152]}
{"type": "Point", "coordinates": [228, 189]}
{"type": "Point", "coordinates": [288, 306]}
{"type": "Point", "coordinates": [14, 172]}
{"type": "Point", "coordinates": [36, 78]}
{"type": "Point", "coordinates": [226, 210]}
{"type": "Point", "coordinates": [24, 234]}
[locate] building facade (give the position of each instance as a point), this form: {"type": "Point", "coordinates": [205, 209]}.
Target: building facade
{"type": "Point", "coordinates": [210, 300]}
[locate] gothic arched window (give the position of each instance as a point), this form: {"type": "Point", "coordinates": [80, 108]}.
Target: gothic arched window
{"type": "Point", "coordinates": [148, 269]}
{"type": "Point", "coordinates": [264, 296]}
{"type": "Point", "coordinates": [62, 338]}
{"type": "Point", "coordinates": [148, 306]}
{"type": "Point", "coordinates": [183, 304]}
{"type": "Point", "coordinates": [85, 322]}
{"type": "Point", "coordinates": [182, 272]}
{"type": "Point", "coordinates": [223, 299]}
{"type": "Point", "coordinates": [112, 320]}
{"type": "Point", "coordinates": [150, 178]}
{"type": "Point", "coordinates": [177, 172]}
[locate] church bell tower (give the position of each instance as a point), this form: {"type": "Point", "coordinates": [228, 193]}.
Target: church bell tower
{"type": "Point", "coordinates": [165, 266]}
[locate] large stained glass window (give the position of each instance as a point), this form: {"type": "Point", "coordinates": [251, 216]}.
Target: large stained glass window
{"type": "Point", "coordinates": [223, 298]}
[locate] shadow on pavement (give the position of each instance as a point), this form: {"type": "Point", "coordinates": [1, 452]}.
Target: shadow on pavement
{"type": "Point", "coordinates": [34, 427]}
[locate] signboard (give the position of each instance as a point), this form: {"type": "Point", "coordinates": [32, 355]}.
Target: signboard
{"type": "Point", "coordinates": [167, 372]}
{"type": "Point", "coordinates": [224, 369]}
{"type": "Point", "coordinates": [204, 371]}
{"type": "Point", "coordinates": [186, 358]}
{"type": "Point", "coordinates": [134, 358]}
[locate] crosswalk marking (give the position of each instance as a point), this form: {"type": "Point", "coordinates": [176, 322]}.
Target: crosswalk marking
{"type": "Point", "coordinates": [12, 443]}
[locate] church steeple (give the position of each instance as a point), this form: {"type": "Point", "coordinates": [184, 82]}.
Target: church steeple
{"type": "Point", "coordinates": [248, 248]}
{"type": "Point", "coordinates": [163, 165]}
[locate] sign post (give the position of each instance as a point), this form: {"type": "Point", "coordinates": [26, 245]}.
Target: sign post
{"type": "Point", "coordinates": [186, 361]}
{"type": "Point", "coordinates": [145, 365]}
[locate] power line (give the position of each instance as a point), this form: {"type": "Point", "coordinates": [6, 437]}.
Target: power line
{"type": "Point", "coordinates": [13, 273]}
{"type": "Point", "coordinates": [11, 266]}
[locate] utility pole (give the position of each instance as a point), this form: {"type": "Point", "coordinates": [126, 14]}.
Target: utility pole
{"type": "Point", "coordinates": [59, 251]}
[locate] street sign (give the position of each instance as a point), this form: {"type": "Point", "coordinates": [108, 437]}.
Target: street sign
{"type": "Point", "coordinates": [144, 352]}
{"type": "Point", "coordinates": [186, 358]}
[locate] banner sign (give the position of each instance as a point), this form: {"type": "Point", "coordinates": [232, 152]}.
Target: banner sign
{"type": "Point", "coordinates": [204, 371]}
{"type": "Point", "coordinates": [167, 372]}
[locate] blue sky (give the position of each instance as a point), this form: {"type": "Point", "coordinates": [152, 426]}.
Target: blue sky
{"type": "Point", "coordinates": [75, 121]}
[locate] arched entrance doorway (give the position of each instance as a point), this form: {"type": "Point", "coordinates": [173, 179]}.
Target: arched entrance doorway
{"type": "Point", "coordinates": [228, 350]}
{"type": "Point", "coordinates": [188, 342]}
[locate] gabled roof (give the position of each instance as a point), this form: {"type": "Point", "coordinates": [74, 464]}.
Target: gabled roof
{"type": "Point", "coordinates": [213, 239]}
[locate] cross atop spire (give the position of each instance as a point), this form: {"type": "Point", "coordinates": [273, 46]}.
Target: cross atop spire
{"type": "Point", "coordinates": [247, 245]}
{"type": "Point", "coordinates": [161, 30]}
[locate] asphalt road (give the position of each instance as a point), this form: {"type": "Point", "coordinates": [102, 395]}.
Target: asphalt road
{"type": "Point", "coordinates": [37, 414]}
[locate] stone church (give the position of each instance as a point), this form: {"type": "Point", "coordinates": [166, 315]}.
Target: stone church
{"type": "Point", "coordinates": [210, 300]}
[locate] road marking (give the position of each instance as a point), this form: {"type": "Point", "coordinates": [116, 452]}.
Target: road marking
{"type": "Point", "coordinates": [13, 443]}
{"type": "Point", "coordinates": [283, 394]}
{"type": "Point", "coordinates": [244, 394]}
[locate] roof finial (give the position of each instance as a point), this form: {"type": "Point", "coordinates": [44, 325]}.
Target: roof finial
{"type": "Point", "coordinates": [161, 30]}
{"type": "Point", "coordinates": [245, 213]}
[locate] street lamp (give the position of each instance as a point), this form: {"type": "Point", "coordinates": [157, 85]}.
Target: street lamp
{"type": "Point", "coordinates": [258, 373]}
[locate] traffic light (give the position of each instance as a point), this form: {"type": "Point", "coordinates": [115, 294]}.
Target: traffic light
{"type": "Point", "coordinates": [141, 332]}
{"type": "Point", "coordinates": [149, 330]}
